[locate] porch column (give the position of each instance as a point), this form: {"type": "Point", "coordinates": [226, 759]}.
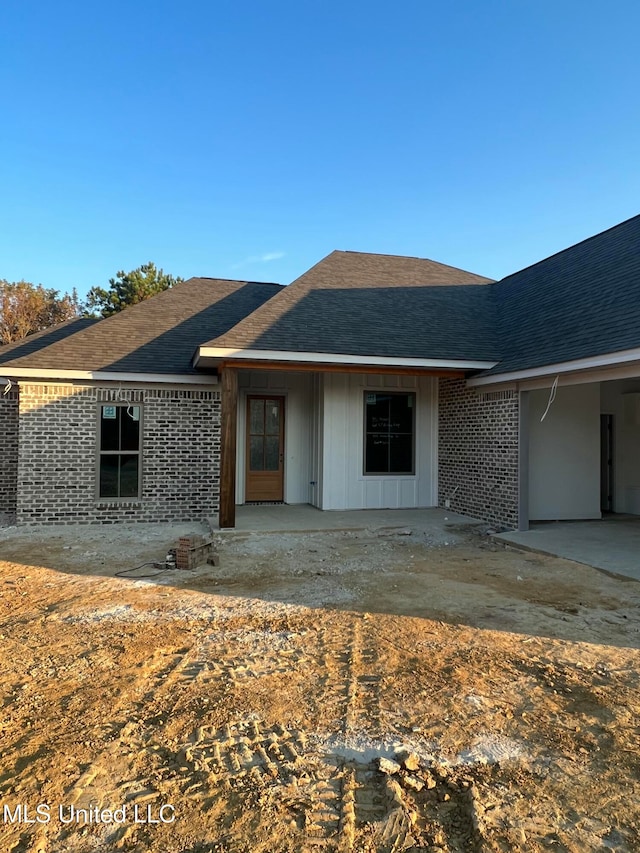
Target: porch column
{"type": "Point", "coordinates": [227, 515]}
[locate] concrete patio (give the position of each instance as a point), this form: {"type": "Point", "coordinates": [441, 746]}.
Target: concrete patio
{"type": "Point", "coordinates": [288, 518]}
{"type": "Point", "coordinates": [612, 543]}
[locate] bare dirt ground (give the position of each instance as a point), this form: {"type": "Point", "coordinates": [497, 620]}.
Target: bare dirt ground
{"type": "Point", "coordinates": [247, 707]}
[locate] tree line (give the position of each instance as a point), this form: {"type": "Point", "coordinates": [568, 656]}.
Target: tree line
{"type": "Point", "coordinates": [26, 308]}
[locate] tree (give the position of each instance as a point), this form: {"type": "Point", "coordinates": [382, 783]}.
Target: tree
{"type": "Point", "coordinates": [26, 308]}
{"type": "Point", "coordinates": [128, 289]}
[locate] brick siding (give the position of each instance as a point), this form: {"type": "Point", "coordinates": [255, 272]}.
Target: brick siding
{"type": "Point", "coordinates": [57, 466]}
{"type": "Point", "coordinates": [8, 456]}
{"type": "Point", "coordinates": [478, 452]}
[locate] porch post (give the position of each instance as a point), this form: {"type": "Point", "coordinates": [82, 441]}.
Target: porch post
{"type": "Point", "coordinates": [227, 515]}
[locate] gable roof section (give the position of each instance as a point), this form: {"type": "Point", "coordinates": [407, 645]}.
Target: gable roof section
{"type": "Point", "coordinates": [360, 304]}
{"type": "Point", "coordinates": [363, 269]}
{"type": "Point", "coordinates": [158, 336]}
{"type": "Point", "coordinates": [581, 302]}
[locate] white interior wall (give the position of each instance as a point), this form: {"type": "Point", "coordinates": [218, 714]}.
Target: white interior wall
{"type": "Point", "coordinates": [564, 454]}
{"type": "Point", "coordinates": [344, 486]}
{"type": "Point", "coordinates": [626, 444]}
{"type": "Point", "coordinates": [297, 389]}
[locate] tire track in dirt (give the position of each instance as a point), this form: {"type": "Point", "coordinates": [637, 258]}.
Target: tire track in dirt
{"type": "Point", "coordinates": [380, 812]}
{"type": "Point", "coordinates": [212, 760]}
{"type": "Point", "coordinates": [219, 658]}
{"type": "Point", "coordinates": [369, 799]}
{"type": "Point", "coordinates": [245, 749]}
{"type": "Point", "coordinates": [340, 802]}
{"type": "Point", "coordinates": [116, 775]}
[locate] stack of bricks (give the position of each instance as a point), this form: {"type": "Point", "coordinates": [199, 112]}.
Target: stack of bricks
{"type": "Point", "coordinates": [193, 551]}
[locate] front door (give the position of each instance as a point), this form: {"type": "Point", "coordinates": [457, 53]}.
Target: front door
{"type": "Point", "coordinates": [265, 449]}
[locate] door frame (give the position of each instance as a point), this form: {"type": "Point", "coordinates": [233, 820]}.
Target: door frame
{"type": "Point", "coordinates": [607, 461]}
{"type": "Point", "coordinates": [263, 395]}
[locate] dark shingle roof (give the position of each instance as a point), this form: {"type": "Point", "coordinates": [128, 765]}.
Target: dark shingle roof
{"type": "Point", "coordinates": [407, 322]}
{"type": "Point", "coordinates": [361, 269]}
{"type": "Point", "coordinates": [159, 335]}
{"type": "Point", "coordinates": [39, 340]}
{"type": "Point", "coordinates": [363, 304]}
{"type": "Point", "coordinates": [581, 302]}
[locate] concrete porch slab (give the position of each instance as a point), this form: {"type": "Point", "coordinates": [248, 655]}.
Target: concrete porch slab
{"type": "Point", "coordinates": [304, 518]}
{"type": "Point", "coordinates": [611, 544]}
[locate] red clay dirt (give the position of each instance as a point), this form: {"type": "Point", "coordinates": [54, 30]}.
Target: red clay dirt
{"type": "Point", "coordinates": [248, 706]}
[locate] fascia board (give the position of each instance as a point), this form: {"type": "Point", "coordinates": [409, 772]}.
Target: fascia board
{"type": "Point", "coordinates": [609, 360]}
{"type": "Point", "coordinates": [106, 376]}
{"type": "Point", "coordinates": [222, 353]}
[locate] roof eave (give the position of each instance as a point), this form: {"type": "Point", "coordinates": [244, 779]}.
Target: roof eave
{"type": "Point", "coordinates": [213, 356]}
{"type": "Point", "coordinates": [55, 374]}
{"type": "Point", "coordinates": [605, 360]}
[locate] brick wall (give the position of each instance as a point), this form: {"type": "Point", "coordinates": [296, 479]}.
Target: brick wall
{"type": "Point", "coordinates": [478, 452]}
{"type": "Point", "coordinates": [57, 455]}
{"type": "Point", "coordinates": [8, 456]}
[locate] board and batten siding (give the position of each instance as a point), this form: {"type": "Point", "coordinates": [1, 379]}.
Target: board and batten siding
{"type": "Point", "coordinates": [297, 389]}
{"type": "Point", "coordinates": [341, 414]}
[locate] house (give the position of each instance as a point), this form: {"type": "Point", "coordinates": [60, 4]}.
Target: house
{"type": "Point", "coordinates": [371, 381]}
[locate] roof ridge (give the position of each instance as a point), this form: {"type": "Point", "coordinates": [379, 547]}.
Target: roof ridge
{"type": "Point", "coordinates": [385, 255]}
{"type": "Point", "coordinates": [234, 280]}
{"type": "Point", "coordinates": [412, 258]}
{"type": "Point", "coordinates": [569, 248]}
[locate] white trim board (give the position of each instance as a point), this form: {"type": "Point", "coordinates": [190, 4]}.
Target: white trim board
{"type": "Point", "coordinates": [106, 376]}
{"type": "Point", "coordinates": [609, 360]}
{"type": "Point", "coordinates": [628, 371]}
{"type": "Point", "coordinates": [220, 353]}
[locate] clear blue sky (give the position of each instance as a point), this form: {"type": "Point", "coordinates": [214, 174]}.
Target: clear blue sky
{"type": "Point", "coordinates": [249, 139]}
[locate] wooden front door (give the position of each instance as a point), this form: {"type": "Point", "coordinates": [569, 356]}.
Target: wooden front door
{"type": "Point", "coordinates": [265, 448]}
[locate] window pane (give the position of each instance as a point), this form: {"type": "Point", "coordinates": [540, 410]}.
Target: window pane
{"type": "Point", "coordinates": [256, 453]}
{"type": "Point", "coordinates": [256, 417]}
{"type": "Point", "coordinates": [129, 427]}
{"type": "Point", "coordinates": [109, 476]}
{"type": "Point", "coordinates": [128, 476]}
{"type": "Point", "coordinates": [272, 453]}
{"type": "Point", "coordinates": [109, 427]}
{"type": "Point", "coordinates": [389, 433]}
{"type": "Point", "coordinates": [401, 412]}
{"type": "Point", "coordinates": [272, 424]}
{"type": "Point", "coordinates": [401, 448]}
{"type": "Point", "coordinates": [377, 414]}
{"type": "Point", "coordinates": [377, 454]}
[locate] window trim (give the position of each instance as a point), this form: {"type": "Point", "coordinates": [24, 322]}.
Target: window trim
{"type": "Point", "coordinates": [389, 393]}
{"type": "Point", "coordinates": [100, 453]}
